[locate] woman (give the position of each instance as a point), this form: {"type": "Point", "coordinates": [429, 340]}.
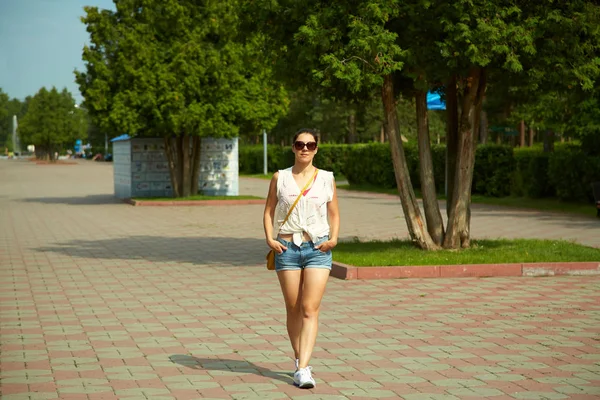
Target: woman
{"type": "Point", "coordinates": [303, 244]}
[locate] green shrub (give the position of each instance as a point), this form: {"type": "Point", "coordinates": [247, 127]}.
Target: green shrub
{"type": "Point", "coordinates": [370, 164]}
{"type": "Point", "coordinates": [494, 166]}
{"type": "Point", "coordinates": [530, 177]}
{"type": "Point", "coordinates": [499, 171]}
{"type": "Point", "coordinates": [571, 173]}
{"type": "Point", "coordinates": [329, 157]}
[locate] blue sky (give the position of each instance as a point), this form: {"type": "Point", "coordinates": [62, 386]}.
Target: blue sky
{"type": "Point", "coordinates": [41, 43]}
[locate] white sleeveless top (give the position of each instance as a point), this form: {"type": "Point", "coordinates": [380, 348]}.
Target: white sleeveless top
{"type": "Point", "coordinates": [310, 214]}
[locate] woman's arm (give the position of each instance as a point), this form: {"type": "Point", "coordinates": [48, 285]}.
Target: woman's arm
{"type": "Point", "coordinates": [269, 214]}
{"type": "Point", "coordinates": [333, 214]}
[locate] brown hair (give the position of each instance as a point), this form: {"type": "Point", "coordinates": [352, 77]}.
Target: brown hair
{"type": "Point", "coordinates": [305, 130]}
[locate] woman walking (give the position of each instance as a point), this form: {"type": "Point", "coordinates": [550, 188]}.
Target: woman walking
{"type": "Point", "coordinates": [302, 222]}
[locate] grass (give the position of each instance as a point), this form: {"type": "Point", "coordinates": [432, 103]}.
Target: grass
{"type": "Point", "coordinates": [199, 197]}
{"type": "Point", "coordinates": [548, 204]}
{"type": "Point", "coordinates": [403, 252]}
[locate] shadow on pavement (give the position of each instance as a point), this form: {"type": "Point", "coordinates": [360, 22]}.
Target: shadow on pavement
{"type": "Point", "coordinates": [228, 365]}
{"type": "Point", "coordinates": [224, 251]}
{"type": "Point", "coordinates": [96, 199]}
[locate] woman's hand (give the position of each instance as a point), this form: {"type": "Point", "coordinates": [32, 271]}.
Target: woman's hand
{"type": "Point", "coordinates": [276, 246]}
{"type": "Point", "coordinates": [326, 245]}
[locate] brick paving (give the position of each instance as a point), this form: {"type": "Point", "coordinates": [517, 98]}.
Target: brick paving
{"type": "Point", "coordinates": [102, 300]}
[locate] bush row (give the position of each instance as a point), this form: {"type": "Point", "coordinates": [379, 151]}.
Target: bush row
{"type": "Point", "coordinates": [567, 173]}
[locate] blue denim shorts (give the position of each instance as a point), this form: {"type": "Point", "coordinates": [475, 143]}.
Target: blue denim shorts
{"type": "Point", "coordinates": [305, 256]}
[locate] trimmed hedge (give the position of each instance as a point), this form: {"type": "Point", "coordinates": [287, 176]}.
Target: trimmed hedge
{"type": "Point", "coordinates": [500, 171]}
{"type": "Point", "coordinates": [330, 157]}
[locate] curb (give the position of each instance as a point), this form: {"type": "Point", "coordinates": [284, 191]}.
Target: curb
{"type": "Point", "coordinates": [150, 203]}
{"type": "Point", "coordinates": [351, 272]}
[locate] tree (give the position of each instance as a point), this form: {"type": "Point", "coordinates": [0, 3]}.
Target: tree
{"type": "Point", "coordinates": [9, 108]}
{"type": "Point", "coordinates": [52, 121]}
{"type": "Point", "coordinates": [4, 120]}
{"type": "Point", "coordinates": [454, 46]}
{"type": "Point", "coordinates": [177, 69]}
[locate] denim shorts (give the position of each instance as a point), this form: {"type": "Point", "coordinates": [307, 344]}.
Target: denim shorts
{"type": "Point", "coordinates": [305, 256]}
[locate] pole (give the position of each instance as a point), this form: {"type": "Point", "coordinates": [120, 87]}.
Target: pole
{"type": "Point", "coordinates": [105, 144]}
{"type": "Point", "coordinates": [265, 151]}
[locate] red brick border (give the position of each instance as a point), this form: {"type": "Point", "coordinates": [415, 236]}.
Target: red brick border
{"type": "Point", "coordinates": [351, 272]}
{"type": "Point", "coordinates": [154, 203]}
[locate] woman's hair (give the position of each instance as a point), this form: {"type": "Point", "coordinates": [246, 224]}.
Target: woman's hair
{"type": "Point", "coordinates": [305, 130]}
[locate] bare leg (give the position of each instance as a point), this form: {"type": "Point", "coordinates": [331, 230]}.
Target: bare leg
{"type": "Point", "coordinates": [315, 280]}
{"type": "Point", "coordinates": [291, 286]}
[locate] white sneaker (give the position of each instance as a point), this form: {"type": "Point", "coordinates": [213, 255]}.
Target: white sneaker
{"type": "Point", "coordinates": [303, 378]}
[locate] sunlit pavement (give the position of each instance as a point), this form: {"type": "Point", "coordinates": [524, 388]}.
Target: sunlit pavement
{"type": "Point", "coordinates": [99, 299]}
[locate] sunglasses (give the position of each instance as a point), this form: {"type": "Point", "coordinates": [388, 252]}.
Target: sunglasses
{"type": "Point", "coordinates": [298, 145]}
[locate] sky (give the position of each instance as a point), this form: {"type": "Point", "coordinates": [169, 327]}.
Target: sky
{"type": "Point", "coordinates": [41, 43]}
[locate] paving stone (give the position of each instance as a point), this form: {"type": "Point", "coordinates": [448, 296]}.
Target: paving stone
{"type": "Point", "coordinates": [539, 395]}
{"type": "Point", "coordinates": [105, 300]}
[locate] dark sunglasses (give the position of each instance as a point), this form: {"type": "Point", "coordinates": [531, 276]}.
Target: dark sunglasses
{"type": "Point", "coordinates": [298, 145]}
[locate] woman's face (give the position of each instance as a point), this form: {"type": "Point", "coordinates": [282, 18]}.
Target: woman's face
{"type": "Point", "coordinates": [301, 146]}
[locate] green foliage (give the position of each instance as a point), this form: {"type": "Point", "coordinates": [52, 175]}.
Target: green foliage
{"type": "Point", "coordinates": [530, 177]}
{"type": "Point", "coordinates": [176, 67]}
{"type": "Point", "coordinates": [330, 157]}
{"type": "Point", "coordinates": [52, 121]}
{"type": "Point", "coordinates": [571, 173]}
{"type": "Point", "coordinates": [251, 158]}
{"type": "Point", "coordinates": [371, 164]}
{"type": "Point", "coordinates": [4, 119]}
{"type": "Point", "coordinates": [9, 108]}
{"type": "Point", "coordinates": [567, 173]}
{"type": "Point", "coordinates": [493, 168]}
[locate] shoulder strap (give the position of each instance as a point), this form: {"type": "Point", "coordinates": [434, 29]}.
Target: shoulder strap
{"type": "Point", "coordinates": [298, 198]}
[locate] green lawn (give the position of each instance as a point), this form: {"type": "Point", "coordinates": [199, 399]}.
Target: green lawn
{"type": "Point", "coordinates": [397, 252]}
{"type": "Point", "coordinates": [199, 197]}
{"type": "Point", "coordinates": [554, 205]}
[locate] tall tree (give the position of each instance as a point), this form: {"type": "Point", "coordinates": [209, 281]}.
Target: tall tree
{"type": "Point", "coordinates": [392, 46]}
{"type": "Point", "coordinates": [176, 69]}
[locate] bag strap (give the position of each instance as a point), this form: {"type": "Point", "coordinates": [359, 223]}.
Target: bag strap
{"type": "Point", "coordinates": [298, 198]}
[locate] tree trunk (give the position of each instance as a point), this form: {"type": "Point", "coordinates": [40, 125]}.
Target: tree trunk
{"type": "Point", "coordinates": [522, 134]}
{"type": "Point", "coordinates": [549, 141]}
{"type": "Point", "coordinates": [186, 168]}
{"type": "Point", "coordinates": [352, 126]}
{"type": "Point", "coordinates": [435, 223]}
{"type": "Point", "coordinates": [382, 134]}
{"type": "Point", "coordinates": [451, 138]}
{"type": "Point", "coordinates": [531, 136]}
{"type": "Point", "coordinates": [179, 164]}
{"type": "Point", "coordinates": [196, 149]}
{"type": "Point", "coordinates": [477, 123]}
{"type": "Point", "coordinates": [183, 157]}
{"type": "Point", "coordinates": [170, 149]}
{"type": "Point", "coordinates": [458, 231]}
{"type": "Point", "coordinates": [412, 214]}
{"type": "Point", "coordinates": [483, 130]}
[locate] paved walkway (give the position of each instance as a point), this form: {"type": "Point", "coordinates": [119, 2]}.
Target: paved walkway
{"type": "Point", "coordinates": [99, 299]}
